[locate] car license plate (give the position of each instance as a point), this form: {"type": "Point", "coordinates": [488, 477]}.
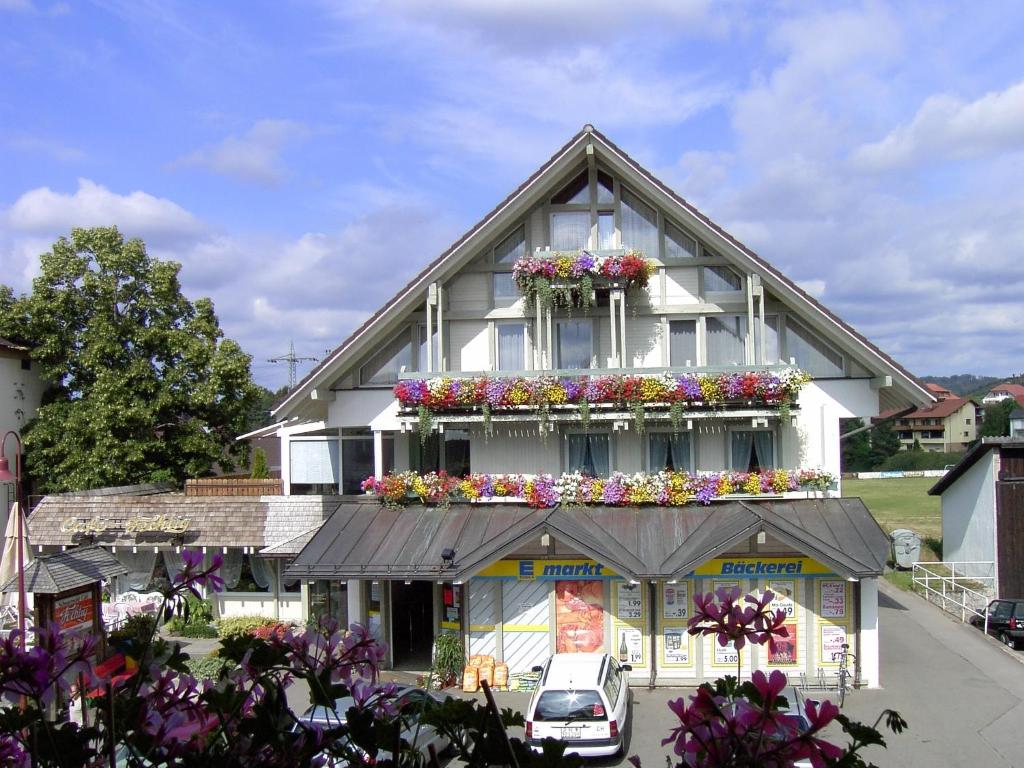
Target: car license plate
{"type": "Point", "coordinates": [571, 733]}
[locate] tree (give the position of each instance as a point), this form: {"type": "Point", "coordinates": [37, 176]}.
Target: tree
{"type": "Point", "coordinates": [856, 449]}
{"type": "Point", "coordinates": [260, 470]}
{"type": "Point", "coordinates": [884, 443]}
{"type": "Point", "coordinates": [996, 422]}
{"type": "Point", "coordinates": [145, 388]}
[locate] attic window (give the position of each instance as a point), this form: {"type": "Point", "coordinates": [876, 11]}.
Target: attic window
{"type": "Point", "coordinates": [576, 192]}
{"type": "Point", "coordinates": [678, 244]}
{"type": "Point", "coordinates": [810, 352]}
{"type": "Point", "coordinates": [511, 248]}
{"type": "Point", "coordinates": [605, 188]}
{"type": "Point", "coordinates": [391, 360]}
{"type": "Point", "coordinates": [721, 280]}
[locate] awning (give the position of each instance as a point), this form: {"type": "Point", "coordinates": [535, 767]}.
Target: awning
{"type": "Point", "coordinates": [372, 541]}
{"type": "Point", "coordinates": [59, 572]}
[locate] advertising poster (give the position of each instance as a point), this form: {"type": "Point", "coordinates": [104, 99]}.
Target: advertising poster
{"type": "Point", "coordinates": [677, 646]}
{"type": "Point", "coordinates": [630, 605]}
{"type": "Point", "coordinates": [725, 654]}
{"type": "Point", "coordinates": [75, 613]}
{"type": "Point", "coordinates": [630, 646]}
{"type": "Point", "coordinates": [832, 638]}
{"type": "Point", "coordinates": [579, 616]}
{"type": "Point", "coordinates": [785, 653]}
{"type": "Point", "coordinates": [784, 592]}
{"type": "Point", "coordinates": [833, 599]}
{"type": "Point", "coordinates": [676, 601]}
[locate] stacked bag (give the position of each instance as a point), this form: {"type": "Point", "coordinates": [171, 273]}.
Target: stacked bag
{"type": "Point", "coordinates": [482, 667]}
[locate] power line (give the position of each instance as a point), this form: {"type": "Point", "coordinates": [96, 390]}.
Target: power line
{"type": "Point", "coordinates": [292, 359]}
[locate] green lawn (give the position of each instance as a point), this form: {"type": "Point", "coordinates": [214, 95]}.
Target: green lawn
{"type": "Point", "coordinates": [901, 503]}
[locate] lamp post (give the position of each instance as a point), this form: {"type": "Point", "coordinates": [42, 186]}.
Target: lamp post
{"type": "Point", "coordinates": [6, 476]}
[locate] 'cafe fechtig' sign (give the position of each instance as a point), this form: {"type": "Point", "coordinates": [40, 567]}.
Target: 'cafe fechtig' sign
{"type": "Point", "coordinates": [173, 524]}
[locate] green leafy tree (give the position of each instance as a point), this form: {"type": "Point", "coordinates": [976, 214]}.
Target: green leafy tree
{"type": "Point", "coordinates": [996, 422]}
{"type": "Point", "coordinates": [260, 470]}
{"type": "Point", "coordinates": [884, 443]}
{"type": "Point", "coordinates": [856, 455]}
{"type": "Point", "coordinates": [145, 388]}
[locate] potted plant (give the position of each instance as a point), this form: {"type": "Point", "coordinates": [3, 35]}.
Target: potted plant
{"type": "Point", "coordinates": [449, 659]}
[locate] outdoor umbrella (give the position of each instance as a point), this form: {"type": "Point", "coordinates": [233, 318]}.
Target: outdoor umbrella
{"type": "Point", "coordinates": [9, 559]}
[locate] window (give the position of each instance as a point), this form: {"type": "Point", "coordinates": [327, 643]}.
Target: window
{"type": "Point", "coordinates": [449, 452]}
{"type": "Point", "coordinates": [588, 454]}
{"type": "Point", "coordinates": [575, 343]}
{"type": "Point", "coordinates": [771, 339]}
{"type": "Point", "coordinates": [576, 192]}
{"type": "Point", "coordinates": [752, 450]}
{"type": "Point", "coordinates": [314, 463]}
{"type": "Point", "coordinates": [967, 421]}
{"type": "Point", "coordinates": [505, 287]}
{"type": "Point", "coordinates": [392, 359]}
{"type": "Point", "coordinates": [721, 280]}
{"type": "Point", "coordinates": [511, 347]}
{"type": "Point", "coordinates": [678, 244]}
{"type": "Point", "coordinates": [669, 451]}
{"type": "Point", "coordinates": [605, 231]}
{"type": "Point", "coordinates": [605, 188]}
{"type": "Point", "coordinates": [420, 363]}
{"type": "Point", "coordinates": [570, 230]}
{"type": "Point", "coordinates": [612, 684]}
{"type": "Point", "coordinates": [357, 461]}
{"type": "Point", "coordinates": [511, 248]}
{"type": "Point", "coordinates": [26, 364]}
{"type": "Point", "coordinates": [726, 337]}
{"type": "Point", "coordinates": [682, 342]}
{"type": "Point", "coordinates": [639, 225]}
{"type": "Point", "coordinates": [811, 353]}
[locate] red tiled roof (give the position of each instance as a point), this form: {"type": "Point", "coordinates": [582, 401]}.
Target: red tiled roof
{"type": "Point", "coordinates": [1011, 389]}
{"type": "Point", "coordinates": [939, 410]}
{"type": "Point", "coordinates": [939, 391]}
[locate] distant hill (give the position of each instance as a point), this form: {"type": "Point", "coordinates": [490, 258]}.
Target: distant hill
{"type": "Point", "coordinates": [966, 384]}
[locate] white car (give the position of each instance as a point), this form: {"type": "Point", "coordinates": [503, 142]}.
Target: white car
{"type": "Point", "coordinates": [582, 699]}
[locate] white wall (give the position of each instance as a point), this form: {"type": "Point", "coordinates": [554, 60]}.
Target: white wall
{"type": "Point", "coordinates": [969, 513]}
{"type": "Point", "coordinates": [289, 608]}
{"type": "Point", "coordinates": [20, 394]}
{"type": "Point", "coordinates": [376, 408]}
{"type": "Point", "coordinates": [470, 345]}
{"type": "Point", "coordinates": [517, 451]}
{"type": "Point", "coordinates": [815, 441]}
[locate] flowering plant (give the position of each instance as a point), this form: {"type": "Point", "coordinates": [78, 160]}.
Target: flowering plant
{"type": "Point", "coordinates": [664, 390]}
{"type": "Point", "coordinates": [729, 724]}
{"type": "Point", "coordinates": [666, 489]}
{"type": "Point", "coordinates": [567, 279]}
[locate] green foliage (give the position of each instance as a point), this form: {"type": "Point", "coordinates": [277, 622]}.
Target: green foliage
{"type": "Point", "coordinates": [918, 460]}
{"type": "Point", "coordinates": [197, 630]}
{"type": "Point", "coordinates": [884, 443]}
{"type": "Point", "coordinates": [965, 384]}
{"type": "Point", "coordinates": [856, 449]}
{"type": "Point", "coordinates": [260, 470]}
{"type": "Point", "coordinates": [135, 634]}
{"type": "Point", "coordinates": [449, 656]}
{"type": "Point", "coordinates": [996, 422]}
{"type": "Point", "coordinates": [145, 386]}
{"type": "Point", "coordinates": [207, 667]}
{"type": "Point", "coordinates": [242, 626]}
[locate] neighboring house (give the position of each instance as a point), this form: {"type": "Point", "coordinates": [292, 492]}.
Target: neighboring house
{"type": "Point", "coordinates": [982, 501]}
{"type": "Point", "coordinates": [949, 425]}
{"type": "Point", "coordinates": [679, 372]}
{"type": "Point", "coordinates": [1004, 391]}
{"type": "Point", "coordinates": [21, 391]}
{"type": "Point", "coordinates": [940, 392]}
{"type": "Point", "coordinates": [1017, 423]}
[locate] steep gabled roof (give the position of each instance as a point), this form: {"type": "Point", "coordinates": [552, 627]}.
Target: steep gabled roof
{"type": "Point", "coordinates": [528, 194]}
{"type": "Point", "coordinates": [939, 410]}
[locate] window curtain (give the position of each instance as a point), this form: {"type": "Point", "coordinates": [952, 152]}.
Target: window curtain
{"type": "Point", "coordinates": [511, 344]}
{"type": "Point", "coordinates": [680, 445]}
{"type": "Point", "coordinates": [173, 562]}
{"type": "Point", "coordinates": [262, 571]}
{"type": "Point", "coordinates": [570, 231]}
{"type": "Point", "coordinates": [726, 337]}
{"type": "Point", "coordinates": [810, 352]}
{"type": "Point", "coordinates": [598, 445]}
{"type": "Point", "coordinates": [742, 450]}
{"type": "Point", "coordinates": [682, 342]}
{"type": "Point", "coordinates": [231, 570]}
{"type": "Point", "coordinates": [140, 567]}
{"type": "Point", "coordinates": [670, 451]}
{"type": "Point", "coordinates": [763, 450]}
{"type": "Point", "coordinates": [577, 452]}
{"type": "Point", "coordinates": [660, 449]}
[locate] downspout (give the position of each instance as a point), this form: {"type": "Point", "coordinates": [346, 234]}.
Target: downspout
{"type": "Point", "coordinates": [856, 630]}
{"type": "Point", "coordinates": [652, 595]}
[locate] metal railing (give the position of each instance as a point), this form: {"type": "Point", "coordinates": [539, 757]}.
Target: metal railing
{"type": "Point", "coordinates": [963, 587]}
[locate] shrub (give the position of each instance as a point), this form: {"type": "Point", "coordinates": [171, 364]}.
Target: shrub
{"type": "Point", "coordinates": [135, 633]}
{"type": "Point", "coordinates": [207, 667]}
{"type": "Point", "coordinates": [198, 630]}
{"type": "Point", "coordinates": [192, 619]}
{"type": "Point", "coordinates": [912, 461]}
{"type": "Point", "coordinates": [238, 626]}
{"type": "Point", "coordinates": [277, 629]}
{"type": "Point", "coordinates": [449, 658]}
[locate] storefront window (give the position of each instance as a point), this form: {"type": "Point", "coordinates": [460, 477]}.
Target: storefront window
{"type": "Point", "coordinates": [329, 599]}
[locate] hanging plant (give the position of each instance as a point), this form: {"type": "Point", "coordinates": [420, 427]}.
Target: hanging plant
{"type": "Point", "coordinates": [426, 423]}
{"type": "Point", "coordinates": [567, 279]}
{"type": "Point", "coordinates": [584, 406]}
{"type": "Point", "coordinates": [675, 414]}
{"type": "Point", "coordinates": [543, 420]}
{"type": "Point", "coordinates": [638, 416]}
{"type": "Point", "coordinates": [487, 419]}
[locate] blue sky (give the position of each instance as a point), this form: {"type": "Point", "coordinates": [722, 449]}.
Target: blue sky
{"type": "Point", "coordinates": [302, 159]}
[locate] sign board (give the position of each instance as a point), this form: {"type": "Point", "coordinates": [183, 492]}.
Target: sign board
{"type": "Point", "coordinates": [833, 599]}
{"type": "Point", "coordinates": [546, 570]}
{"type": "Point", "coordinates": [675, 603]}
{"type": "Point", "coordinates": [832, 638]}
{"type": "Point", "coordinates": [762, 567]}
{"type": "Point", "coordinates": [172, 524]}
{"type": "Point", "coordinates": [676, 646]}
{"type": "Point", "coordinates": [75, 613]}
{"type": "Point", "coordinates": [630, 604]}
{"type": "Point", "coordinates": [630, 646]}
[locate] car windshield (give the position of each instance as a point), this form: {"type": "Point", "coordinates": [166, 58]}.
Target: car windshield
{"type": "Point", "coordinates": [570, 705]}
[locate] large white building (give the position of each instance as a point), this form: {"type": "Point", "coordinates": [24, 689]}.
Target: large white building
{"type": "Point", "coordinates": [21, 391]}
{"type": "Point", "coordinates": [659, 345]}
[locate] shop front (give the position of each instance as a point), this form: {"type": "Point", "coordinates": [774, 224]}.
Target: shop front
{"type": "Point", "coordinates": [524, 583]}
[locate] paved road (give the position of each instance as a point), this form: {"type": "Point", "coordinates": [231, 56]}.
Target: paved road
{"type": "Point", "coordinates": [960, 692]}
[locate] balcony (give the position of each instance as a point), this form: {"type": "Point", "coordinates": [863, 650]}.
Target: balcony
{"type": "Point", "coordinates": [619, 396]}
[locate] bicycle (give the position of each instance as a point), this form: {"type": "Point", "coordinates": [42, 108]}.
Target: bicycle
{"type": "Point", "coordinates": [844, 675]}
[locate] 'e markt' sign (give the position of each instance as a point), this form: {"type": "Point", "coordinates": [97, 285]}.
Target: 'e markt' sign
{"type": "Point", "coordinates": [173, 524]}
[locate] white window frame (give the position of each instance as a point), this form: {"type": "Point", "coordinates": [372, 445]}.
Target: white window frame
{"type": "Point", "coordinates": [496, 346]}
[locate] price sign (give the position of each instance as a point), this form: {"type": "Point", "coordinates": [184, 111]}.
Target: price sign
{"type": "Point", "coordinates": [630, 602]}
{"type": "Point", "coordinates": [725, 654]}
{"type": "Point", "coordinates": [833, 599]}
{"type": "Point", "coordinates": [677, 645]}
{"type": "Point", "coordinates": [832, 639]}
{"type": "Point", "coordinates": [783, 600]}
{"type": "Point", "coordinates": [676, 601]}
{"type": "Point", "coordinates": [630, 646]}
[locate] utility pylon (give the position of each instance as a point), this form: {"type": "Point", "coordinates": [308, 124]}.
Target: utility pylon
{"type": "Point", "coordinates": [291, 358]}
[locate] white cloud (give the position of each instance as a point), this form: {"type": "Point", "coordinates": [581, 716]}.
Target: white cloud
{"type": "Point", "coordinates": [54, 148]}
{"type": "Point", "coordinates": [18, 6]}
{"type": "Point", "coordinates": [137, 214]}
{"type": "Point", "coordinates": [947, 126]}
{"type": "Point", "coordinates": [254, 156]}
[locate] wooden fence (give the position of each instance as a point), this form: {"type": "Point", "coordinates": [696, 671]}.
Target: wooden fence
{"type": "Point", "coordinates": [232, 486]}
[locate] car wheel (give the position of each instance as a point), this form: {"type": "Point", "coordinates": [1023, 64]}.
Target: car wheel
{"type": "Point", "coordinates": [1007, 640]}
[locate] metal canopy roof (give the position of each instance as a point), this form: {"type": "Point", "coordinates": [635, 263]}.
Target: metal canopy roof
{"type": "Point", "coordinates": [372, 541]}
{"type": "Point", "coordinates": [78, 567]}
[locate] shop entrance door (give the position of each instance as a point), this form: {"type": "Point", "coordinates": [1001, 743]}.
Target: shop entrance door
{"type": "Point", "coordinates": [412, 624]}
